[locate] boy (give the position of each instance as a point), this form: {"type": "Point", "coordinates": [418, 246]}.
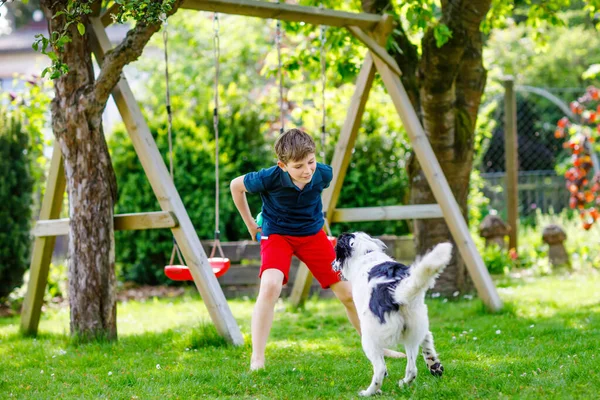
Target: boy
{"type": "Point", "coordinates": [292, 224]}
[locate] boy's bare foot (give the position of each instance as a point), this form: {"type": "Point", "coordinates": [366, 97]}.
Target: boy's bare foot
{"type": "Point", "coordinates": [393, 354]}
{"type": "Point", "coordinates": [255, 365]}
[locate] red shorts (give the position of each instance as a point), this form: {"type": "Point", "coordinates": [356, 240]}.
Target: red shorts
{"type": "Point", "coordinates": [315, 251]}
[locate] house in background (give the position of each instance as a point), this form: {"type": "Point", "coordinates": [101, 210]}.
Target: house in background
{"type": "Point", "coordinates": [19, 62]}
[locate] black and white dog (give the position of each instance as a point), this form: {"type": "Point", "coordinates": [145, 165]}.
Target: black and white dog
{"type": "Point", "coordinates": [389, 298]}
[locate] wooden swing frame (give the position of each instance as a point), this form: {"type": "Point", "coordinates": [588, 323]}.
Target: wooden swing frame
{"type": "Point", "coordinates": [372, 30]}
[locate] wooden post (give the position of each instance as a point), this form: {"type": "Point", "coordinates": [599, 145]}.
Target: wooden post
{"type": "Point", "coordinates": [168, 197]}
{"type": "Point", "coordinates": [43, 246]}
{"type": "Point", "coordinates": [512, 159]}
{"type": "Point", "coordinates": [439, 186]}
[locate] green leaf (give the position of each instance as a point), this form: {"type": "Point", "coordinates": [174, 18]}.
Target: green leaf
{"type": "Point", "coordinates": [81, 28]}
{"type": "Point", "coordinates": [52, 56]}
{"type": "Point", "coordinates": [442, 34]}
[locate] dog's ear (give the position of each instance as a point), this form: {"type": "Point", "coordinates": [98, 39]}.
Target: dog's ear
{"type": "Point", "coordinates": [379, 243]}
{"type": "Point", "coordinates": [343, 250]}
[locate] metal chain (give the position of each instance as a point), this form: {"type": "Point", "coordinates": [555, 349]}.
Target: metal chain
{"type": "Point", "coordinates": [323, 85]}
{"type": "Point", "coordinates": [217, 54]}
{"type": "Point", "coordinates": [323, 40]}
{"type": "Point", "coordinates": [165, 24]}
{"type": "Point", "coordinates": [163, 18]}
{"type": "Point", "coordinates": [278, 35]}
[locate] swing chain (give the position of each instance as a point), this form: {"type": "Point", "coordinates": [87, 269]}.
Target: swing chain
{"type": "Point", "coordinates": [217, 54]}
{"type": "Point", "coordinates": [163, 18]}
{"type": "Point", "coordinates": [165, 25]}
{"type": "Point", "coordinates": [278, 38]}
{"type": "Point", "coordinates": [323, 40]}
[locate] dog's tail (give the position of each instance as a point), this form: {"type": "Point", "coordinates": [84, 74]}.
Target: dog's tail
{"type": "Point", "coordinates": [423, 273]}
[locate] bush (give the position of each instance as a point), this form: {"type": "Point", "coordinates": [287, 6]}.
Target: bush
{"type": "Point", "coordinates": [16, 188]}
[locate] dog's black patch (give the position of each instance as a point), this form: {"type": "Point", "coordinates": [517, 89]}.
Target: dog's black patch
{"type": "Point", "coordinates": [382, 300]}
{"type": "Point", "coordinates": [343, 249]}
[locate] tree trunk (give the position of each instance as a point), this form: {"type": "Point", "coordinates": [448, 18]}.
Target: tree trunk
{"type": "Point", "coordinates": [450, 81]}
{"type": "Point", "coordinates": [91, 186]}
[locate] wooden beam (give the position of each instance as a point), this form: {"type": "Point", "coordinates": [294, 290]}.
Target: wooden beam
{"type": "Point", "coordinates": [511, 159]}
{"type": "Point", "coordinates": [168, 197]}
{"type": "Point", "coordinates": [107, 16]}
{"type": "Point", "coordinates": [123, 222]}
{"type": "Point", "coordinates": [285, 12]}
{"type": "Point", "coordinates": [380, 51]}
{"type": "Point", "coordinates": [43, 247]}
{"type": "Point", "coordinates": [388, 213]}
{"type": "Point", "coordinates": [439, 186]}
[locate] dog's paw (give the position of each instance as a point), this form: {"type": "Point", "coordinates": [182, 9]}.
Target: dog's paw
{"type": "Point", "coordinates": [367, 393]}
{"type": "Point", "coordinates": [436, 369]}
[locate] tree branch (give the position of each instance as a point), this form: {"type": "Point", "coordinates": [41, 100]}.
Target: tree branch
{"type": "Point", "coordinates": [129, 50]}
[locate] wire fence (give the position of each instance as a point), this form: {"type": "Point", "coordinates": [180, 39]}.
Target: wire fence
{"type": "Point", "coordinates": [541, 156]}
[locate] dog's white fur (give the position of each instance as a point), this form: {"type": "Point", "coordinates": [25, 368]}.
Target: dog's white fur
{"type": "Point", "coordinates": [410, 324]}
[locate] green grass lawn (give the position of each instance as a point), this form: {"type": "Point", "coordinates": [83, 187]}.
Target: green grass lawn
{"type": "Point", "coordinates": [542, 346]}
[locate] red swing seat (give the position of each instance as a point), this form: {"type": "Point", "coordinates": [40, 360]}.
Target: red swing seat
{"type": "Point", "coordinates": [219, 266]}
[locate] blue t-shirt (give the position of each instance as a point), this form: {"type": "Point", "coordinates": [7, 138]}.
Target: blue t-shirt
{"type": "Point", "coordinates": [286, 209]}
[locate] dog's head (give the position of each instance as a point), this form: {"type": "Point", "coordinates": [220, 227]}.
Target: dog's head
{"type": "Point", "coordinates": [352, 245]}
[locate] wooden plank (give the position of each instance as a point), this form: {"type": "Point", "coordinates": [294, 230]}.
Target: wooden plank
{"type": "Point", "coordinates": [375, 48]}
{"type": "Point", "coordinates": [43, 247]}
{"type": "Point", "coordinates": [387, 213]}
{"type": "Point", "coordinates": [285, 12]}
{"type": "Point", "coordinates": [511, 159]}
{"type": "Point", "coordinates": [168, 197]}
{"type": "Point", "coordinates": [439, 186]}
{"type": "Point", "coordinates": [123, 222]}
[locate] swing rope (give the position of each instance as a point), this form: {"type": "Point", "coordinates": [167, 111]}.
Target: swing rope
{"type": "Point", "coordinates": [165, 24]}
{"type": "Point", "coordinates": [216, 52]}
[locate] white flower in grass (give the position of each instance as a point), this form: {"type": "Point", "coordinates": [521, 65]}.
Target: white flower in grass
{"type": "Point", "coordinates": [456, 293]}
{"type": "Point", "coordinates": [109, 373]}
{"type": "Point", "coordinates": [445, 301]}
{"type": "Point", "coordinates": [475, 338]}
{"type": "Point", "coordinates": [157, 366]}
{"type": "Point", "coordinates": [524, 374]}
{"type": "Point", "coordinates": [42, 371]}
{"type": "Point", "coordinates": [498, 332]}
{"type": "Point", "coordinates": [531, 326]}
{"type": "Point", "coordinates": [453, 337]}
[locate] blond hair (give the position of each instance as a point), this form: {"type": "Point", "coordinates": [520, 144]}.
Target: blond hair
{"type": "Point", "coordinates": [294, 145]}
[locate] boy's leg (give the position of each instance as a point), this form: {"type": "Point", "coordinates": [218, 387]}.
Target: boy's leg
{"type": "Point", "coordinates": [262, 316]}
{"type": "Point", "coordinates": [276, 256]}
{"type": "Point", "coordinates": [343, 291]}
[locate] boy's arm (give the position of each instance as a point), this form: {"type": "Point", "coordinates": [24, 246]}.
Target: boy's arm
{"type": "Point", "coordinates": [238, 192]}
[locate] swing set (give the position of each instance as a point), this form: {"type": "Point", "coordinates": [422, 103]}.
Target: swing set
{"type": "Point", "coordinates": [370, 29]}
